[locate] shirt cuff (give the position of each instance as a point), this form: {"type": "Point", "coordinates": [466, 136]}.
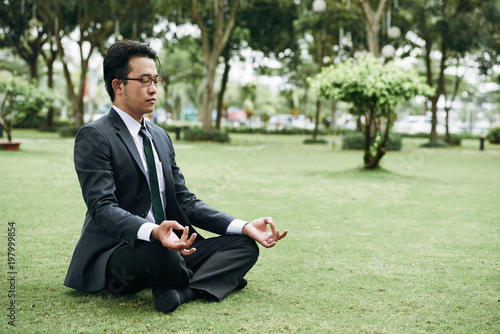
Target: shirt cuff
{"type": "Point", "coordinates": [236, 227]}
{"type": "Point", "coordinates": [144, 232]}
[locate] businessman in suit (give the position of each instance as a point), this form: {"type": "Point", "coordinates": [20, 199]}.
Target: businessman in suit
{"type": "Point", "coordinates": [139, 227]}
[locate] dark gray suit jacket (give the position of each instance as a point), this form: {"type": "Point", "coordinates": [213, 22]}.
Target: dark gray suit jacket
{"type": "Point", "coordinates": [116, 192]}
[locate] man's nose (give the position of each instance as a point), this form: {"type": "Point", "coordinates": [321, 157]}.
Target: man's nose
{"type": "Point", "coordinates": [152, 88]}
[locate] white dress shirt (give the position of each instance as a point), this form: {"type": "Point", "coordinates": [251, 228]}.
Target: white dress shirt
{"type": "Point", "coordinates": [144, 232]}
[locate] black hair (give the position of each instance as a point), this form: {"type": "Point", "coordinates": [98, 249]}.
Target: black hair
{"type": "Point", "coordinates": [116, 62]}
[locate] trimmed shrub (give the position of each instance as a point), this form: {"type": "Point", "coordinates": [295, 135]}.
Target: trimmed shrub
{"type": "Point", "coordinates": [170, 128]}
{"type": "Point", "coordinates": [285, 131]}
{"type": "Point", "coordinates": [199, 134]}
{"type": "Point", "coordinates": [315, 141]}
{"type": "Point", "coordinates": [68, 131]}
{"type": "Point", "coordinates": [454, 140]}
{"type": "Point", "coordinates": [494, 136]}
{"type": "Point", "coordinates": [438, 144]}
{"type": "Point", "coordinates": [353, 141]}
{"type": "Point", "coordinates": [394, 142]}
{"type": "Point", "coordinates": [356, 141]}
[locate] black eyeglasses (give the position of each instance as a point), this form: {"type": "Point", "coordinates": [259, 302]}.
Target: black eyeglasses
{"type": "Point", "coordinates": [146, 81]}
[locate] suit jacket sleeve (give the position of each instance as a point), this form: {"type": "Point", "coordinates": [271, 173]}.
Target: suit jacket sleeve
{"type": "Point", "coordinates": [94, 163]}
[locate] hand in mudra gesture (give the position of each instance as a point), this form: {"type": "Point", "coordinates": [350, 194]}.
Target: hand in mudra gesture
{"type": "Point", "coordinates": [165, 234]}
{"type": "Point", "coordinates": [259, 231]}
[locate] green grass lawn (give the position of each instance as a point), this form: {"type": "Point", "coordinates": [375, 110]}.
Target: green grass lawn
{"type": "Point", "coordinates": [413, 247]}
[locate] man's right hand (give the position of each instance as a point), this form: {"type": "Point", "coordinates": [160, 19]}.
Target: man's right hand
{"type": "Point", "coordinates": [165, 234]}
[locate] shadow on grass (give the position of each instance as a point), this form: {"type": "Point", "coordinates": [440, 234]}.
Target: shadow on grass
{"type": "Point", "coordinates": [379, 174]}
{"type": "Point", "coordinates": [124, 303]}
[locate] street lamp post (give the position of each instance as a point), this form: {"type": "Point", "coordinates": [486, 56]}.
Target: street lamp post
{"type": "Point", "coordinates": [319, 6]}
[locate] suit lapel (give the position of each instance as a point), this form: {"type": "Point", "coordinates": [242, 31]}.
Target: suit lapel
{"type": "Point", "coordinates": [126, 137]}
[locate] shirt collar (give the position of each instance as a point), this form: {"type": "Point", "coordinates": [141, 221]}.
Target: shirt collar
{"type": "Point", "coordinates": [132, 125]}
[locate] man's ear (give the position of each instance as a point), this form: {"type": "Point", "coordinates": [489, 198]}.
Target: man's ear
{"type": "Point", "coordinates": [117, 86]}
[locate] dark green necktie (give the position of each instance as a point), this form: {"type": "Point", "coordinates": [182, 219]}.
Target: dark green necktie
{"type": "Point", "coordinates": [153, 177]}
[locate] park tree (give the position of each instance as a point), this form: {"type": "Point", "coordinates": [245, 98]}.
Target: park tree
{"type": "Point", "coordinates": [331, 31]}
{"type": "Point", "coordinates": [253, 25]}
{"type": "Point", "coordinates": [89, 24]}
{"type": "Point", "coordinates": [21, 100]}
{"type": "Point", "coordinates": [181, 62]}
{"type": "Point", "coordinates": [372, 19]}
{"type": "Point", "coordinates": [231, 50]}
{"type": "Point", "coordinates": [21, 30]}
{"type": "Point", "coordinates": [459, 32]}
{"type": "Point", "coordinates": [215, 20]}
{"type": "Point", "coordinates": [374, 89]}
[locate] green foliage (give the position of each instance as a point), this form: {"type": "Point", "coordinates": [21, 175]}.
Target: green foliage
{"type": "Point", "coordinates": [436, 144]}
{"type": "Point", "coordinates": [353, 141]}
{"type": "Point", "coordinates": [315, 141]}
{"type": "Point", "coordinates": [22, 101]}
{"type": "Point", "coordinates": [454, 140]}
{"type": "Point", "coordinates": [374, 89]}
{"type": "Point", "coordinates": [394, 142]}
{"type": "Point", "coordinates": [369, 84]}
{"type": "Point", "coordinates": [494, 135]}
{"type": "Point", "coordinates": [68, 131]}
{"type": "Point", "coordinates": [284, 131]}
{"type": "Point", "coordinates": [199, 134]}
{"type": "Point", "coordinates": [356, 141]}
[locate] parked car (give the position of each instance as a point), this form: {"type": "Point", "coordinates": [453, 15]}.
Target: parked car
{"type": "Point", "coordinates": [417, 124]}
{"type": "Point", "coordinates": [287, 121]}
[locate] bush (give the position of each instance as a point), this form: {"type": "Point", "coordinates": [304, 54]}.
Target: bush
{"type": "Point", "coordinates": [394, 142]}
{"type": "Point", "coordinates": [198, 134]}
{"type": "Point", "coordinates": [494, 136]}
{"type": "Point", "coordinates": [170, 128]}
{"type": "Point", "coordinates": [454, 140]}
{"type": "Point", "coordinates": [356, 141]}
{"type": "Point", "coordinates": [315, 141]}
{"type": "Point", "coordinates": [353, 141]}
{"type": "Point", "coordinates": [285, 131]}
{"type": "Point", "coordinates": [438, 144]}
{"type": "Point", "coordinates": [68, 131]}
{"type": "Point", "coordinates": [58, 123]}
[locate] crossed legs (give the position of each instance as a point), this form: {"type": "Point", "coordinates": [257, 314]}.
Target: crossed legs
{"type": "Point", "coordinates": [216, 269]}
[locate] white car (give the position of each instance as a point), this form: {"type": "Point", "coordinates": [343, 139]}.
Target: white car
{"type": "Point", "coordinates": [416, 124]}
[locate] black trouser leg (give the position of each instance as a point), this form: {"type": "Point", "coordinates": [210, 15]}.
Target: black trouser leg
{"type": "Point", "coordinates": [220, 263]}
{"type": "Point", "coordinates": [130, 270]}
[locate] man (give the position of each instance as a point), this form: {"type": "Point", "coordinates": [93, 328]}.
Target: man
{"type": "Point", "coordinates": [138, 230]}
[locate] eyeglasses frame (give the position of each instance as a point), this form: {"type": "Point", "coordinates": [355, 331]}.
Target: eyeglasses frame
{"type": "Point", "coordinates": [158, 80]}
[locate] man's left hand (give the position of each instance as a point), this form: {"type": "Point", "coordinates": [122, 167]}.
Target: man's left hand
{"type": "Point", "coordinates": [258, 231]}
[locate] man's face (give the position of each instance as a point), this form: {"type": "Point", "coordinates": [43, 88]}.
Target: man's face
{"type": "Point", "coordinates": [135, 98]}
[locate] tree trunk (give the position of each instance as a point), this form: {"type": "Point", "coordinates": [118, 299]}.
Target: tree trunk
{"type": "Point", "coordinates": [433, 136]}
{"type": "Point", "coordinates": [316, 124]}
{"type": "Point", "coordinates": [3, 123]}
{"type": "Point", "coordinates": [220, 98]}
{"type": "Point", "coordinates": [49, 121]}
{"type": "Point", "coordinates": [321, 48]}
{"type": "Point", "coordinates": [166, 86]}
{"type": "Point", "coordinates": [372, 23]}
{"type": "Point", "coordinates": [49, 62]}
{"type": "Point", "coordinates": [373, 161]}
{"type": "Point", "coordinates": [305, 99]}
{"type": "Point", "coordinates": [447, 136]}
{"type": "Point", "coordinates": [29, 51]}
{"type": "Point", "coordinates": [212, 49]}
{"type": "Point", "coordinates": [208, 96]}
{"type": "Point", "coordinates": [333, 122]}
